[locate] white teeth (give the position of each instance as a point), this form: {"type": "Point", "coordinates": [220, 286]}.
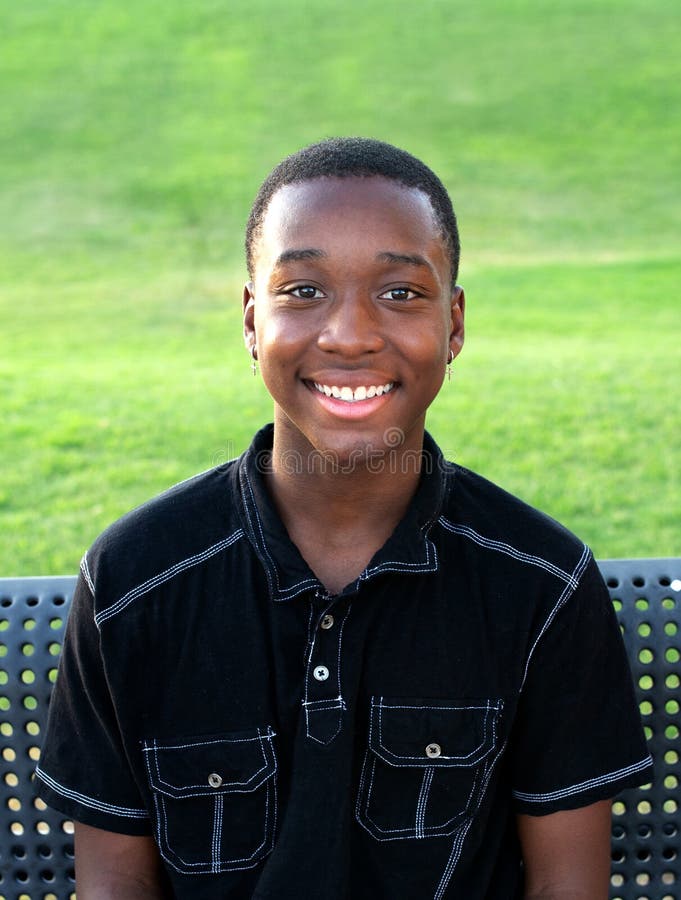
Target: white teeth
{"type": "Point", "coordinates": [361, 393]}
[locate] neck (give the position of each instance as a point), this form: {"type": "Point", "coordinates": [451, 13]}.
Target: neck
{"type": "Point", "coordinates": [340, 514]}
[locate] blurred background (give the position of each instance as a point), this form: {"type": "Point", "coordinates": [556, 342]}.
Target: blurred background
{"type": "Point", "coordinates": [133, 140]}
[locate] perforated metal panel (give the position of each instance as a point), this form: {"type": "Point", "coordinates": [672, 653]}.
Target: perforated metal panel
{"type": "Point", "coordinates": [36, 843]}
{"type": "Point", "coordinates": [36, 850]}
{"type": "Point", "coordinates": [646, 821]}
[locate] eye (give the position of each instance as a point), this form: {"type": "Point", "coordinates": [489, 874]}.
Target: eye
{"type": "Point", "coordinates": [399, 293]}
{"type": "Point", "coordinates": [306, 292]}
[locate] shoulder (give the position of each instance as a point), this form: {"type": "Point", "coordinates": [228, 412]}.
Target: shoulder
{"type": "Point", "coordinates": [495, 524]}
{"type": "Point", "coordinates": [180, 528]}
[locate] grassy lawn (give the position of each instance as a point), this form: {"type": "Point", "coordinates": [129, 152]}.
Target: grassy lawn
{"type": "Point", "coordinates": [134, 141]}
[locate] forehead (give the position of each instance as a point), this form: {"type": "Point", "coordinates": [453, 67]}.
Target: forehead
{"type": "Point", "coordinates": [342, 212]}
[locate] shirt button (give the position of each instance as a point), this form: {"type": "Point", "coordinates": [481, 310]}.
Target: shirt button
{"type": "Point", "coordinates": [433, 751]}
{"type": "Point", "coordinates": [321, 673]}
{"type": "Point", "coordinates": [215, 780]}
{"type": "Point", "coordinates": [327, 622]}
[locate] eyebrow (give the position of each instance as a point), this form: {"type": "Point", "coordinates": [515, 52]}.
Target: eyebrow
{"type": "Point", "coordinates": [409, 259]}
{"type": "Point", "coordinates": [304, 253]}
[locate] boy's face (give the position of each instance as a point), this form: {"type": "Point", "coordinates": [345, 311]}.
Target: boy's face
{"type": "Point", "coordinates": [352, 294]}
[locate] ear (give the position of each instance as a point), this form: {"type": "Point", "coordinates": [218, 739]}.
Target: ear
{"type": "Point", "coordinates": [458, 305]}
{"type": "Point", "coordinates": [249, 316]}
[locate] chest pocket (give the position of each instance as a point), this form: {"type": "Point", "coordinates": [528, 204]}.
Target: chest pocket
{"type": "Point", "coordinates": [426, 765]}
{"type": "Point", "coordinates": [214, 800]}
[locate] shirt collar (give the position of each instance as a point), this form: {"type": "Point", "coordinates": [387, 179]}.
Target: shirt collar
{"type": "Point", "coordinates": [408, 550]}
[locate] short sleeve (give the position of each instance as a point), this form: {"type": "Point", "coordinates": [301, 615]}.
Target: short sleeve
{"type": "Point", "coordinates": [577, 737]}
{"type": "Point", "coordinates": [83, 770]}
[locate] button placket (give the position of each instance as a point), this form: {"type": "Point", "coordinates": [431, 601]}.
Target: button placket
{"type": "Point", "coordinates": [323, 702]}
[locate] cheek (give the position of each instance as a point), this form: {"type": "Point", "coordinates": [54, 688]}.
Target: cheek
{"type": "Point", "coordinates": [280, 348]}
{"type": "Point", "coordinates": [428, 351]}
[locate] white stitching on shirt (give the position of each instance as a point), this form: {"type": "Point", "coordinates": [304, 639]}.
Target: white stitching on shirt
{"type": "Point", "coordinates": [453, 859]}
{"type": "Point", "coordinates": [459, 759]}
{"type": "Point", "coordinates": [85, 569]}
{"type": "Point", "coordinates": [423, 801]}
{"type": "Point", "coordinates": [567, 592]}
{"type": "Point", "coordinates": [216, 864]}
{"type": "Point", "coordinates": [202, 789]}
{"type": "Point", "coordinates": [294, 589]}
{"type": "Point", "coordinates": [488, 705]}
{"type": "Point", "coordinates": [481, 775]}
{"type": "Point", "coordinates": [340, 644]}
{"type": "Point", "coordinates": [243, 477]}
{"type": "Point", "coordinates": [407, 833]}
{"type": "Point", "coordinates": [311, 706]}
{"type": "Point", "coordinates": [217, 829]}
{"type": "Point", "coordinates": [206, 867]}
{"type": "Point", "coordinates": [164, 576]}
{"type": "Point", "coordinates": [150, 746]}
{"type": "Point", "coordinates": [125, 811]}
{"type": "Point", "coordinates": [387, 566]}
{"type": "Point", "coordinates": [309, 630]}
{"type": "Point", "coordinates": [461, 836]}
{"type": "Point", "coordinates": [502, 547]}
{"type": "Point", "coordinates": [401, 566]}
{"type": "Point", "coordinates": [584, 785]}
{"type": "Point", "coordinates": [334, 703]}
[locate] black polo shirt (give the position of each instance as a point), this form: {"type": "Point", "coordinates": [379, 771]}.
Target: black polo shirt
{"type": "Point", "coordinates": [279, 742]}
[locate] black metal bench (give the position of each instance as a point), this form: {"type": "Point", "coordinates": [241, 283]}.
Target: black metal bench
{"type": "Point", "coordinates": [36, 843]}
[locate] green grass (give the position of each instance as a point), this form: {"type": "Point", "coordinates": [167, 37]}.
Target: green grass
{"type": "Point", "coordinates": [133, 142]}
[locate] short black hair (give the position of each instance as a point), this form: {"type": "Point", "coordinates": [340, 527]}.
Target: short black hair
{"type": "Point", "coordinates": [346, 157]}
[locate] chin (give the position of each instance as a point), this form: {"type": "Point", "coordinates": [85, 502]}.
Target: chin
{"type": "Point", "coordinates": [354, 454]}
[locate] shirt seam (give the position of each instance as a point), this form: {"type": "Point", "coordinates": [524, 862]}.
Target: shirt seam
{"type": "Point", "coordinates": [127, 812]}
{"type": "Point", "coordinates": [584, 786]}
{"type": "Point", "coordinates": [164, 576]}
{"type": "Point", "coordinates": [565, 595]}
{"type": "Point", "coordinates": [508, 549]}
{"type": "Point", "coordinates": [270, 566]}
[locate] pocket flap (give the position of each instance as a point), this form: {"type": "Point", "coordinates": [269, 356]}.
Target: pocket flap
{"type": "Point", "coordinates": [218, 764]}
{"type": "Point", "coordinates": [425, 732]}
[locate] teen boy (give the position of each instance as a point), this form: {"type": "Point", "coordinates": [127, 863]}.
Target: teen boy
{"type": "Point", "coordinates": [340, 667]}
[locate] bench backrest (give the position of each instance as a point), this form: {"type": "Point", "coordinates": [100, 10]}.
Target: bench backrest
{"type": "Point", "coordinates": [36, 843]}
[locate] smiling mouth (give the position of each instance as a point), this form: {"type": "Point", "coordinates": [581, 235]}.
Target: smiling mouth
{"type": "Point", "coordinates": [363, 392]}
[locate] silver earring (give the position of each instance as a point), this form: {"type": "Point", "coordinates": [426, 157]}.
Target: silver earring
{"type": "Point", "coordinates": [254, 356]}
{"type": "Point", "coordinates": [450, 359]}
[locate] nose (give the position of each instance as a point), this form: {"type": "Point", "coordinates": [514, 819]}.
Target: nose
{"type": "Point", "coordinates": [352, 327]}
